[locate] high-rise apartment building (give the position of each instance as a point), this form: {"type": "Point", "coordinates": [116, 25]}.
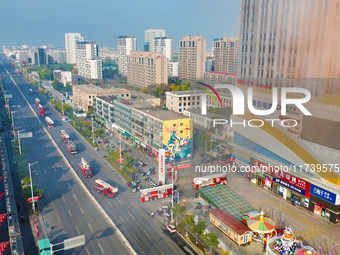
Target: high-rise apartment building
{"type": "Point", "coordinates": [164, 45]}
{"type": "Point", "coordinates": [59, 55]}
{"type": "Point", "coordinates": [226, 54]}
{"type": "Point", "coordinates": [150, 34]}
{"type": "Point", "coordinates": [192, 52]}
{"type": "Point", "coordinates": [41, 56]}
{"type": "Point", "coordinates": [89, 65]}
{"type": "Point", "coordinates": [126, 44]}
{"type": "Point", "coordinates": [147, 68]}
{"type": "Point", "coordinates": [281, 41]}
{"type": "Point", "coordinates": [71, 46]}
{"type": "Point", "coordinates": [22, 55]}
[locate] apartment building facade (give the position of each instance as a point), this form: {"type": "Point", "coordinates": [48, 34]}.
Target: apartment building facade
{"type": "Point", "coordinates": [213, 77]}
{"type": "Point", "coordinates": [150, 34]}
{"type": "Point", "coordinates": [126, 44]}
{"type": "Point", "coordinates": [147, 68]}
{"type": "Point", "coordinates": [89, 65]}
{"type": "Point", "coordinates": [71, 47]}
{"type": "Point", "coordinates": [226, 52]}
{"type": "Point", "coordinates": [163, 45]}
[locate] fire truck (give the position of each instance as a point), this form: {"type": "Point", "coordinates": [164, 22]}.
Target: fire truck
{"type": "Point", "coordinates": [155, 193]}
{"type": "Point", "coordinates": [41, 111]}
{"type": "Point", "coordinates": [105, 188]}
{"type": "Point", "coordinates": [49, 121]}
{"type": "Point", "coordinates": [85, 168]}
{"type": "Point", "coordinates": [71, 147]}
{"type": "Point", "coordinates": [37, 101]}
{"type": "Point", "coordinates": [31, 92]}
{"type": "Point", "coordinates": [64, 136]}
{"type": "Point", "coordinates": [209, 180]}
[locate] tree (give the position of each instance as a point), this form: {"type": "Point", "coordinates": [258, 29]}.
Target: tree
{"type": "Point", "coordinates": [202, 141]}
{"type": "Point", "coordinates": [210, 239]}
{"type": "Point", "coordinates": [56, 84]}
{"type": "Point", "coordinates": [189, 220]}
{"type": "Point", "coordinates": [178, 209]}
{"type": "Point", "coordinates": [45, 74]}
{"type": "Point", "coordinates": [199, 228]}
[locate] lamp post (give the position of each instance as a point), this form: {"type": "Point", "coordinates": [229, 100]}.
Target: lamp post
{"type": "Point", "coordinates": [93, 140]}
{"type": "Point", "coordinates": [13, 126]}
{"type": "Point", "coordinates": [19, 141]}
{"type": "Point", "coordinates": [172, 194]}
{"type": "Point", "coordinates": [30, 172]}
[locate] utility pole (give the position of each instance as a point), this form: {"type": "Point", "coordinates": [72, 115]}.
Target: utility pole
{"type": "Point", "coordinates": [172, 193]}
{"type": "Point", "coordinates": [13, 127]}
{"type": "Point", "coordinates": [120, 147]}
{"type": "Point", "coordinates": [19, 141]}
{"type": "Point", "coordinates": [30, 172]}
{"type": "Point", "coordinates": [93, 140]}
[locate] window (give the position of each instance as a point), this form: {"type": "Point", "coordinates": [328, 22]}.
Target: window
{"type": "Point", "coordinates": [184, 104]}
{"type": "Point", "coordinates": [122, 95]}
{"type": "Point", "coordinates": [245, 238]}
{"type": "Point", "coordinates": [89, 96]}
{"type": "Point", "coordinates": [127, 95]}
{"type": "Point", "coordinates": [235, 237]}
{"type": "Point", "coordinates": [180, 98]}
{"type": "Point", "coordinates": [180, 110]}
{"type": "Point", "coordinates": [185, 98]}
{"type": "Point", "coordinates": [181, 124]}
{"type": "Point", "coordinates": [89, 102]}
{"type": "Point", "coordinates": [188, 103]}
{"type": "Point", "coordinates": [193, 98]}
{"type": "Point", "coordinates": [181, 131]}
{"type": "Point", "coordinates": [180, 104]}
{"type": "Point", "coordinates": [193, 103]}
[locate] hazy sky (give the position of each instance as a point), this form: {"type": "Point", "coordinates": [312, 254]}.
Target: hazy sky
{"type": "Point", "coordinates": [43, 22]}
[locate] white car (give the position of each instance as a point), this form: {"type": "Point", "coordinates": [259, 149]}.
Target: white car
{"type": "Point", "coordinates": [171, 228]}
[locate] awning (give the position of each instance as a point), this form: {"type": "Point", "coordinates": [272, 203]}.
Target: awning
{"type": "Point", "coordinates": [126, 134]}
{"type": "Point", "coordinates": [137, 141]}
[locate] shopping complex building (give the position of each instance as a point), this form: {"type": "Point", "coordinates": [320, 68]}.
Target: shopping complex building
{"type": "Point", "coordinates": [147, 125]}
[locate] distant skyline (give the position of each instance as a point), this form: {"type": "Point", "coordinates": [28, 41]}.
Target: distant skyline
{"type": "Point", "coordinates": [46, 22]}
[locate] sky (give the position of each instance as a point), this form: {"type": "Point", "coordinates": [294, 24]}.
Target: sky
{"type": "Point", "coordinates": [43, 22]}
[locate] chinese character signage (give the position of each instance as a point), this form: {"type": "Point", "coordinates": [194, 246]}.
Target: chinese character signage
{"type": "Point", "coordinates": [323, 194]}
{"type": "Point", "coordinates": [290, 186]}
{"type": "Point", "coordinates": [161, 166]}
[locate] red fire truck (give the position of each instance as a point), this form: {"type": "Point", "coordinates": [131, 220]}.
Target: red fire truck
{"type": "Point", "coordinates": [31, 92]}
{"type": "Point", "coordinates": [209, 180]}
{"type": "Point", "coordinates": [155, 193]}
{"type": "Point", "coordinates": [37, 101]}
{"type": "Point", "coordinates": [49, 121]}
{"type": "Point", "coordinates": [64, 136]}
{"type": "Point", "coordinates": [105, 188]}
{"type": "Point", "coordinates": [41, 111]}
{"type": "Point", "coordinates": [85, 168]}
{"type": "Point", "coordinates": [71, 147]}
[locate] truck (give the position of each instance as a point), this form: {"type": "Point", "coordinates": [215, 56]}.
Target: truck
{"type": "Point", "coordinates": [49, 121]}
{"type": "Point", "coordinates": [41, 111]}
{"type": "Point", "coordinates": [156, 193]}
{"type": "Point", "coordinates": [71, 147]}
{"type": "Point", "coordinates": [37, 101]}
{"type": "Point", "coordinates": [105, 188]}
{"type": "Point", "coordinates": [209, 180]}
{"type": "Point", "coordinates": [31, 92]}
{"type": "Point", "coordinates": [64, 136]}
{"type": "Point", "coordinates": [85, 168]}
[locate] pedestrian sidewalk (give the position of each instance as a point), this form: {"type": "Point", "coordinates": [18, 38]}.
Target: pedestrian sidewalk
{"type": "Point", "coordinates": [37, 227]}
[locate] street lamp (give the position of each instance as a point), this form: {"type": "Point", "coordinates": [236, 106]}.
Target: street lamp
{"type": "Point", "coordinates": [30, 172]}
{"type": "Point", "coordinates": [13, 126]}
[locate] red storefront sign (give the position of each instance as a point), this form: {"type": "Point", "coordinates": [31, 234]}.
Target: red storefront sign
{"type": "Point", "coordinates": [167, 154]}
{"type": "Point", "coordinates": [154, 152]}
{"type": "Point", "coordinates": [285, 176]}
{"type": "Point", "coordinates": [182, 166]}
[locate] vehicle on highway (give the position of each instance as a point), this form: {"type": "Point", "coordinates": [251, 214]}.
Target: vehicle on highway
{"type": "Point", "coordinates": [105, 188]}
{"type": "Point", "coordinates": [171, 228]}
{"type": "Point", "coordinates": [37, 101]}
{"type": "Point", "coordinates": [64, 136]}
{"type": "Point", "coordinates": [49, 121]}
{"type": "Point", "coordinates": [209, 180]}
{"type": "Point", "coordinates": [85, 168]}
{"type": "Point", "coordinates": [71, 147]}
{"type": "Point", "coordinates": [31, 92]}
{"type": "Point", "coordinates": [155, 193]}
{"type": "Point", "coordinates": [41, 111]}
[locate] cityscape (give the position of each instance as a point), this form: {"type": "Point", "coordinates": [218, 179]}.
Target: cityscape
{"type": "Point", "coordinates": [170, 127]}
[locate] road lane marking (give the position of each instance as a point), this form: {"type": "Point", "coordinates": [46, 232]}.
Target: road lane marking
{"type": "Point", "coordinates": [69, 213]}
{"type": "Point", "coordinates": [90, 226]}
{"type": "Point", "coordinates": [147, 234]}
{"type": "Point", "coordinates": [68, 185]}
{"type": "Point", "coordinates": [158, 231]}
{"type": "Point", "coordinates": [109, 203]}
{"type": "Point", "coordinates": [145, 218]}
{"type": "Point", "coordinates": [162, 253]}
{"type": "Point", "coordinates": [121, 219]}
{"type": "Point", "coordinates": [45, 171]}
{"type": "Point", "coordinates": [57, 186]}
{"type": "Point", "coordinates": [77, 230]}
{"type": "Point", "coordinates": [63, 199]}
{"type": "Point", "coordinates": [55, 170]}
{"type": "Point", "coordinates": [132, 216]}
{"type": "Point", "coordinates": [81, 210]}
{"type": "Point", "coordinates": [75, 197]}
{"type": "Point", "coordinates": [87, 251]}
{"type": "Point", "coordinates": [100, 247]}
{"type": "Point", "coordinates": [135, 237]}
{"type": "Point", "coordinates": [119, 201]}
{"type": "Point", "coordinates": [172, 247]}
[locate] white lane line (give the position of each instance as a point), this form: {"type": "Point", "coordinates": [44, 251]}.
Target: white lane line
{"type": "Point", "coordinates": [45, 171]}
{"type": "Point", "coordinates": [77, 230]}
{"type": "Point", "coordinates": [109, 203]}
{"type": "Point", "coordinates": [68, 185]}
{"type": "Point", "coordinates": [69, 213]}
{"type": "Point", "coordinates": [90, 226]}
{"type": "Point", "coordinates": [81, 210]}
{"type": "Point", "coordinates": [162, 253]}
{"type": "Point", "coordinates": [75, 197]}
{"type": "Point", "coordinates": [63, 199]}
{"type": "Point", "coordinates": [119, 201]}
{"type": "Point", "coordinates": [135, 237]}
{"type": "Point", "coordinates": [132, 216]}
{"type": "Point", "coordinates": [100, 247]}
{"type": "Point", "coordinates": [121, 219]}
{"type": "Point", "coordinates": [158, 231]}
{"type": "Point", "coordinates": [147, 234]}
{"type": "Point", "coordinates": [87, 251]}
{"type": "Point", "coordinates": [55, 170]}
{"type": "Point", "coordinates": [57, 186]}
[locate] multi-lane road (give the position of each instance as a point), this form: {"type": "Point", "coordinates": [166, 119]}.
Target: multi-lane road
{"type": "Point", "coordinates": [65, 206]}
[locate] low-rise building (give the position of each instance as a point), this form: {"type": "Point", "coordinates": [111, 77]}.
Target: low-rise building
{"type": "Point", "coordinates": [83, 95]}
{"type": "Point", "coordinates": [179, 101]}
{"type": "Point", "coordinates": [212, 77]}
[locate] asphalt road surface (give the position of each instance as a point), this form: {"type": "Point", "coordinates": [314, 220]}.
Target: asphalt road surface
{"type": "Point", "coordinates": [68, 204]}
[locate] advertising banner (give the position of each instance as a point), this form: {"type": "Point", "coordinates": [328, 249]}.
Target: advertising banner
{"type": "Point", "coordinates": [290, 186]}
{"type": "Point", "coordinates": [161, 166]}
{"type": "Point", "coordinates": [323, 194]}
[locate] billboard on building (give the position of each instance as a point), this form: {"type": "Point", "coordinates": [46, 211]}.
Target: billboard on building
{"type": "Point", "coordinates": [161, 166]}
{"type": "Point", "coordinates": [177, 138]}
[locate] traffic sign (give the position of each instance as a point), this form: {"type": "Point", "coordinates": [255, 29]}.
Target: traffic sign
{"type": "Point", "coordinates": [74, 242]}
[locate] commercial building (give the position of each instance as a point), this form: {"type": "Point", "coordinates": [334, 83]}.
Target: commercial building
{"type": "Point", "coordinates": [83, 95]}
{"type": "Point", "coordinates": [226, 52]}
{"type": "Point", "coordinates": [89, 65]}
{"type": "Point", "coordinates": [163, 45]}
{"type": "Point", "coordinates": [41, 55]}
{"type": "Point", "coordinates": [173, 69]}
{"type": "Point", "coordinates": [147, 126]}
{"type": "Point", "coordinates": [58, 55]}
{"type": "Point", "coordinates": [179, 101]}
{"type": "Point", "coordinates": [126, 44]}
{"type": "Point", "coordinates": [192, 55]}
{"type": "Point", "coordinates": [213, 77]}
{"type": "Point", "coordinates": [150, 34]}
{"type": "Point", "coordinates": [71, 47]}
{"type": "Point", "coordinates": [147, 68]}
{"type": "Point", "coordinates": [284, 42]}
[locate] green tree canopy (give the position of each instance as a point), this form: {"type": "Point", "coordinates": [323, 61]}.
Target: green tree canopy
{"type": "Point", "coordinates": [199, 227]}
{"type": "Point", "coordinates": [45, 74]}
{"type": "Point", "coordinates": [210, 239]}
{"type": "Point", "coordinates": [178, 209]}
{"type": "Point", "coordinates": [56, 85]}
{"type": "Point", "coordinates": [189, 220]}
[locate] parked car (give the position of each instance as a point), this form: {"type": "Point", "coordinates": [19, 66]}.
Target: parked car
{"type": "Point", "coordinates": [171, 228]}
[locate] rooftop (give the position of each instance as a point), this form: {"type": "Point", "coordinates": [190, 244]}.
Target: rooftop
{"type": "Point", "coordinates": [95, 89]}
{"type": "Point", "coordinates": [230, 74]}
{"type": "Point", "coordinates": [136, 103]}
{"type": "Point", "coordinates": [142, 95]}
{"type": "Point", "coordinates": [209, 114]}
{"type": "Point", "coordinates": [230, 221]}
{"type": "Point", "coordinates": [187, 92]}
{"type": "Point", "coordinates": [108, 99]}
{"type": "Point", "coordinates": [165, 115]}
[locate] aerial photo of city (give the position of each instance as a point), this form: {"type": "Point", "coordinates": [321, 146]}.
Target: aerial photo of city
{"type": "Point", "coordinates": [170, 127]}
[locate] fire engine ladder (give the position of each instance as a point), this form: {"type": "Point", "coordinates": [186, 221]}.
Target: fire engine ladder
{"type": "Point", "coordinates": [105, 185]}
{"type": "Point", "coordinates": [84, 164]}
{"type": "Point", "coordinates": [159, 188]}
